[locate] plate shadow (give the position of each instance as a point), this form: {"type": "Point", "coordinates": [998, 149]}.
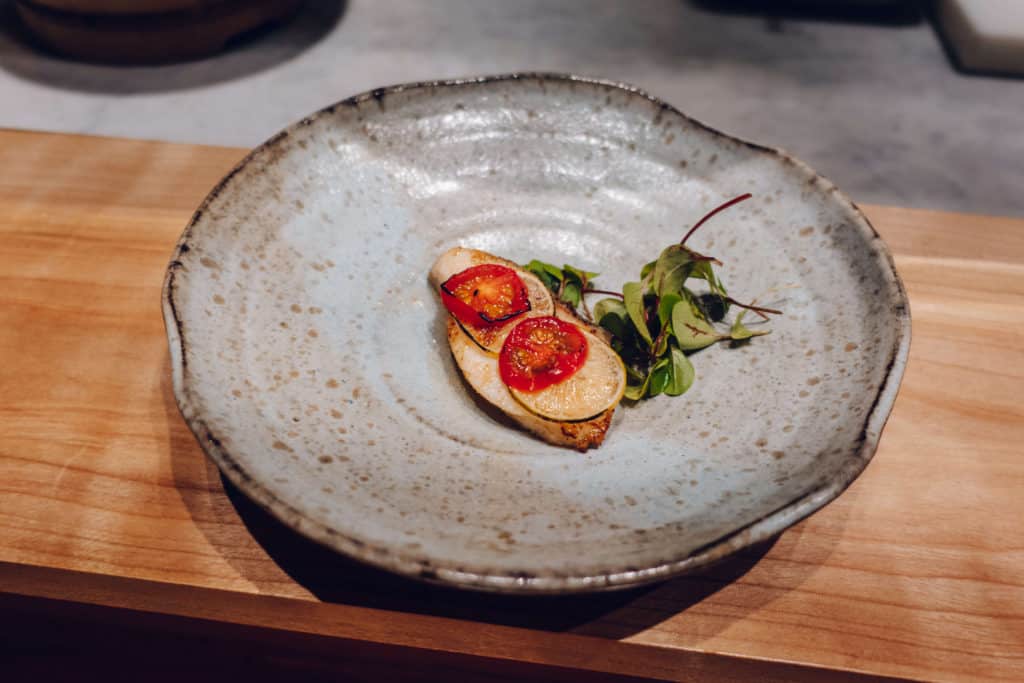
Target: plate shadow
{"type": "Point", "coordinates": [332, 577]}
{"type": "Point", "coordinates": [246, 537]}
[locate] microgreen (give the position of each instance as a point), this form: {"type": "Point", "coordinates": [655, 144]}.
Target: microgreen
{"type": "Point", "coordinates": [657, 322]}
{"type": "Point", "coordinates": [568, 283]}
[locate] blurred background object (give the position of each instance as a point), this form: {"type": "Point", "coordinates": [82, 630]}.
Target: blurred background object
{"type": "Point", "coordinates": [863, 91]}
{"type": "Point", "coordinates": [145, 31]}
{"type": "Point", "coordinates": [985, 35]}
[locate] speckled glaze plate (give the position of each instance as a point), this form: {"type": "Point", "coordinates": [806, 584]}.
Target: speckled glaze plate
{"type": "Point", "coordinates": [309, 353]}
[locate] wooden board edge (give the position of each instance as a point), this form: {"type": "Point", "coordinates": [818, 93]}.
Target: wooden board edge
{"type": "Point", "coordinates": [318, 628]}
{"type": "Point", "coordinates": [98, 138]}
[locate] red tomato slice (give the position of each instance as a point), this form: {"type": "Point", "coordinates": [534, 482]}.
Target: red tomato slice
{"type": "Point", "coordinates": [539, 352]}
{"type": "Point", "coordinates": [485, 295]}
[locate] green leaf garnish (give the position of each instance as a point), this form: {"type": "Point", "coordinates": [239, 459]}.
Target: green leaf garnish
{"type": "Point", "coordinates": [671, 270]}
{"type": "Point", "coordinates": [647, 269]}
{"type": "Point", "coordinates": [572, 294]}
{"type": "Point", "coordinates": [703, 271]}
{"type": "Point", "coordinates": [661, 376]}
{"type": "Point", "coordinates": [660, 319]}
{"type": "Point", "coordinates": [740, 332]}
{"type": "Point", "coordinates": [690, 328]}
{"type": "Point", "coordinates": [607, 307]}
{"type": "Point", "coordinates": [581, 276]}
{"type": "Point", "coordinates": [567, 283]}
{"type": "Point", "coordinates": [635, 392]}
{"type": "Point", "coordinates": [682, 373]}
{"type": "Point", "coordinates": [633, 297]}
{"type": "Point", "coordinates": [542, 270]}
{"type": "Point", "coordinates": [665, 306]}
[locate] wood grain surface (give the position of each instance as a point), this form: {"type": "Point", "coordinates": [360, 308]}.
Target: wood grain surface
{"type": "Point", "coordinates": [106, 501]}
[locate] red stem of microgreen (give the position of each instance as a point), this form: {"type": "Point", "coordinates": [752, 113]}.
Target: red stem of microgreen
{"type": "Point", "coordinates": [604, 291]}
{"type": "Point", "coordinates": [760, 310]}
{"type": "Point", "coordinates": [708, 215]}
{"type": "Point", "coordinates": [657, 342]}
{"type": "Point", "coordinates": [700, 257]}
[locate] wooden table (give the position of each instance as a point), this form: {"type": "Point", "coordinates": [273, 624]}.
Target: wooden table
{"type": "Point", "coordinates": [111, 517]}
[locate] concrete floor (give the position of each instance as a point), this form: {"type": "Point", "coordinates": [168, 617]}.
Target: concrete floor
{"type": "Point", "coordinates": [869, 99]}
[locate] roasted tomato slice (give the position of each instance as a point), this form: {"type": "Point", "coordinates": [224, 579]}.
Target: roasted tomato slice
{"type": "Point", "coordinates": [485, 295]}
{"type": "Point", "coordinates": [539, 352]}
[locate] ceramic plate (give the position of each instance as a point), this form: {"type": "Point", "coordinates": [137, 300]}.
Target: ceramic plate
{"type": "Point", "coordinates": [310, 360]}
